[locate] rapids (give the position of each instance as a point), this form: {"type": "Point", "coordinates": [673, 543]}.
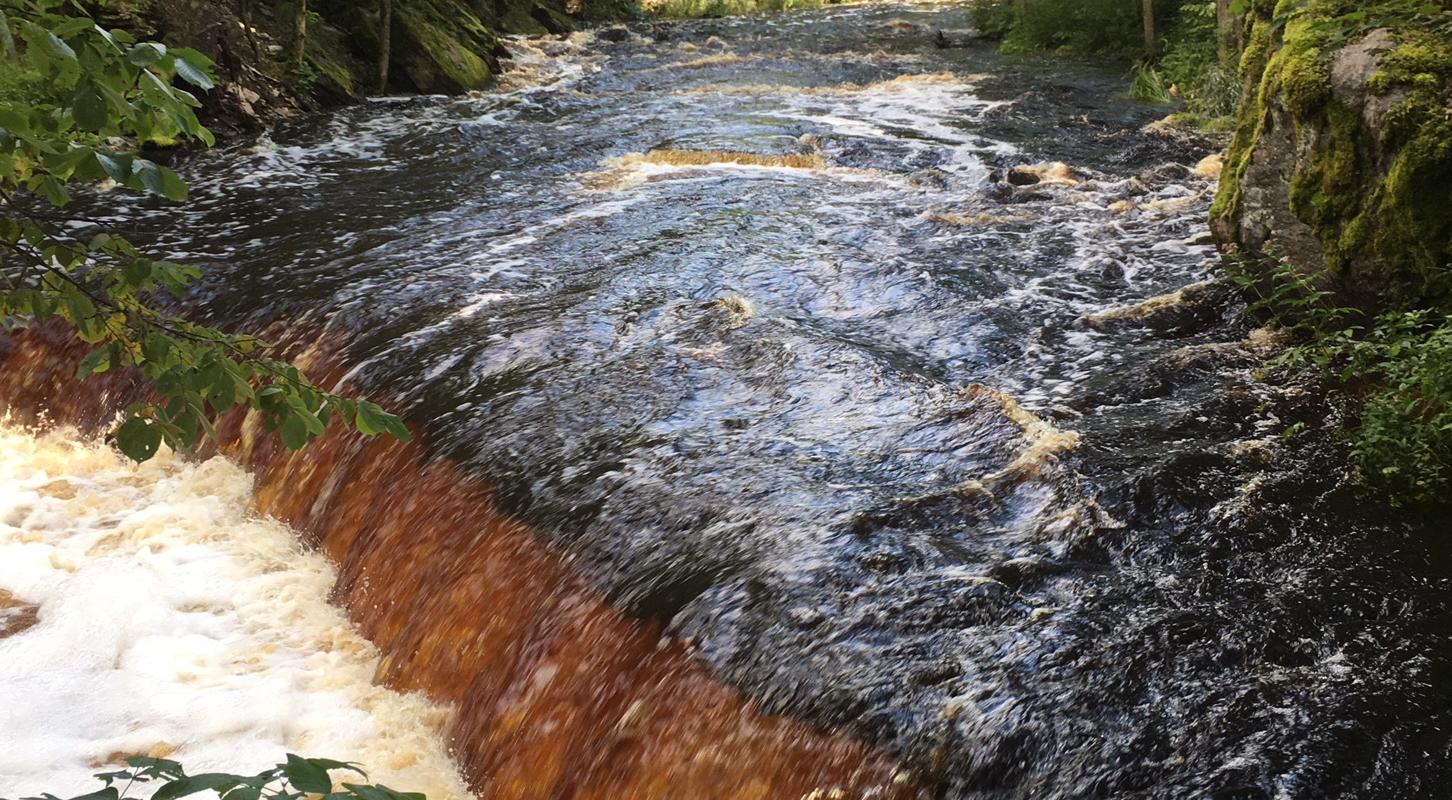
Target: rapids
{"type": "Point", "coordinates": [164, 621]}
{"type": "Point", "coordinates": [811, 409]}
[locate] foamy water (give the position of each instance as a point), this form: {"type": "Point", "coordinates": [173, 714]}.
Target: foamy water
{"type": "Point", "coordinates": [169, 621]}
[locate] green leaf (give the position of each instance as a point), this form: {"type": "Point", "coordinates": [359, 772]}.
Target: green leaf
{"type": "Point", "coordinates": [330, 764]}
{"type": "Point", "coordinates": [139, 439]}
{"type": "Point", "coordinates": [108, 793]}
{"type": "Point", "coordinates": [156, 767]}
{"type": "Point", "coordinates": [293, 431]}
{"type": "Point", "coordinates": [307, 775]}
{"type": "Point", "coordinates": [372, 420]}
{"type": "Point", "coordinates": [14, 121]}
{"type": "Point", "coordinates": [159, 180]}
{"type": "Point", "coordinates": [192, 784]}
{"type": "Point", "coordinates": [193, 74]}
{"type": "Point", "coordinates": [53, 191]}
{"type": "Point", "coordinates": [146, 53]}
{"type": "Point", "coordinates": [244, 793]}
{"type": "Point", "coordinates": [7, 39]}
{"type": "Point", "coordinates": [90, 109]}
{"type": "Point", "coordinates": [96, 361]}
{"type": "Point", "coordinates": [59, 47]}
{"type": "Point", "coordinates": [381, 792]}
{"type": "Point", "coordinates": [63, 165]}
{"type": "Point", "coordinates": [137, 271]}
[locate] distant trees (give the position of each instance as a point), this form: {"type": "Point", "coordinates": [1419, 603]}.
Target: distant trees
{"type": "Point", "coordinates": [1147, 13]}
{"type": "Point", "coordinates": [385, 41]}
{"type": "Point", "coordinates": [1131, 29]}
{"type": "Point", "coordinates": [299, 33]}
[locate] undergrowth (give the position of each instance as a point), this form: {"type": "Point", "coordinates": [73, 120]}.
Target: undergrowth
{"type": "Point", "coordinates": [1099, 28]}
{"type": "Point", "coordinates": [1186, 67]}
{"type": "Point", "coordinates": [1191, 62]}
{"type": "Point", "coordinates": [1394, 369]}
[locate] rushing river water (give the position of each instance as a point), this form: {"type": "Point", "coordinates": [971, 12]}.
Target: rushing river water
{"type": "Point", "coordinates": [750, 326]}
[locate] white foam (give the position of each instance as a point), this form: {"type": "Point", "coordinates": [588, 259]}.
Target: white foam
{"type": "Point", "coordinates": [174, 623]}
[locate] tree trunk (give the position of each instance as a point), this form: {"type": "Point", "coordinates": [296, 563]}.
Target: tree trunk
{"type": "Point", "coordinates": [1230, 28]}
{"type": "Point", "coordinates": [299, 33]}
{"type": "Point", "coordinates": [244, 13]}
{"type": "Point", "coordinates": [385, 42]}
{"type": "Point", "coordinates": [1148, 7]}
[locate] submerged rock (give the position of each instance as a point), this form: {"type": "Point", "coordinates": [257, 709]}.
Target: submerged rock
{"type": "Point", "coordinates": [613, 33]}
{"type": "Point", "coordinates": [16, 615]}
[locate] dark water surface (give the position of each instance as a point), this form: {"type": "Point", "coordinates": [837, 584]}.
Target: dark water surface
{"type": "Point", "coordinates": [849, 429]}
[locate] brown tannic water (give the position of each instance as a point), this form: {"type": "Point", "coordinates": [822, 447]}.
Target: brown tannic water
{"type": "Point", "coordinates": [777, 441]}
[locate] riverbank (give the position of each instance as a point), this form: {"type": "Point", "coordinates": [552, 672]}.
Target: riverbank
{"type": "Point", "coordinates": [438, 46]}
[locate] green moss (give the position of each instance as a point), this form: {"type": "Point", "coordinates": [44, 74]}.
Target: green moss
{"type": "Point", "coordinates": [1414, 228]}
{"type": "Point", "coordinates": [1198, 123]}
{"type": "Point", "coordinates": [1406, 119]}
{"type": "Point", "coordinates": [1327, 193]}
{"type": "Point", "coordinates": [442, 46]}
{"type": "Point", "coordinates": [1421, 61]}
{"type": "Point", "coordinates": [1305, 81]}
{"type": "Point", "coordinates": [1370, 202]}
{"type": "Point", "coordinates": [553, 20]}
{"type": "Point", "coordinates": [1261, 42]}
{"type": "Point", "coordinates": [327, 66]}
{"type": "Point", "coordinates": [1419, 52]}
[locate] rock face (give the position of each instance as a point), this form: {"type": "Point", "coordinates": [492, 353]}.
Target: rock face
{"type": "Point", "coordinates": [439, 45]}
{"type": "Point", "coordinates": [444, 48]}
{"type": "Point", "coordinates": [1341, 164]}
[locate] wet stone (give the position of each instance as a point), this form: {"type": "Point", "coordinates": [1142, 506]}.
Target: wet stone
{"type": "Point", "coordinates": [613, 33]}
{"type": "Point", "coordinates": [16, 615]}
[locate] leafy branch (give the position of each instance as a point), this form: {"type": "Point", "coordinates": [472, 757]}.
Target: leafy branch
{"type": "Point", "coordinates": [99, 98]}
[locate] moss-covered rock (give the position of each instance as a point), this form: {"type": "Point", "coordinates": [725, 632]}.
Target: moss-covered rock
{"type": "Point", "coordinates": [438, 45]}
{"type": "Point", "coordinates": [442, 46]}
{"type": "Point", "coordinates": [1341, 163]}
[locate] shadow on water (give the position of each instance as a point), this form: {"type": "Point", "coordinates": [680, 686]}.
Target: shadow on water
{"type": "Point", "coordinates": [757, 321]}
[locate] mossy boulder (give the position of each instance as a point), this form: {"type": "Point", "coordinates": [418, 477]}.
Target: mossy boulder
{"type": "Point", "coordinates": [443, 47]}
{"type": "Point", "coordinates": [525, 16]}
{"type": "Point", "coordinates": [438, 45]}
{"type": "Point", "coordinates": [1341, 163]}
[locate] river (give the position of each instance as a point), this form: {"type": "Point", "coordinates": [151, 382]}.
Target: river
{"type": "Point", "coordinates": [822, 393]}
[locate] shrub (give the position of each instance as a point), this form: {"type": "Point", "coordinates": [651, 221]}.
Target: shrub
{"type": "Point", "coordinates": [1191, 62]}
{"type": "Point", "coordinates": [1100, 28]}
{"type": "Point", "coordinates": [1395, 371]}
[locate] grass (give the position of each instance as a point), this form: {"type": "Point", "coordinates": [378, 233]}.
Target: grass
{"type": "Point", "coordinates": [1149, 85]}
